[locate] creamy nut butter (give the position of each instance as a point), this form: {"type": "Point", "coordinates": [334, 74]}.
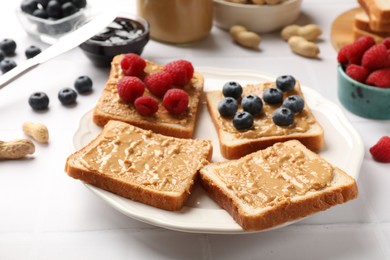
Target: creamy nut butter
{"type": "Point", "coordinates": [112, 104]}
{"type": "Point", "coordinates": [263, 125]}
{"type": "Point", "coordinates": [177, 21]}
{"type": "Point", "coordinates": [275, 174]}
{"type": "Point", "coordinates": [143, 158]}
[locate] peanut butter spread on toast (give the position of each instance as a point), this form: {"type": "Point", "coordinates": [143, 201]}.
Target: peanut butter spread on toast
{"type": "Point", "coordinates": [143, 158]}
{"type": "Point", "coordinates": [110, 102]}
{"type": "Point", "coordinates": [263, 126]}
{"type": "Point", "coordinates": [274, 175]}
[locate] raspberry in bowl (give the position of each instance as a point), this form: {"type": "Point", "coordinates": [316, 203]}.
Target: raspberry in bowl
{"type": "Point", "coordinates": [126, 34]}
{"type": "Point", "coordinates": [364, 78]}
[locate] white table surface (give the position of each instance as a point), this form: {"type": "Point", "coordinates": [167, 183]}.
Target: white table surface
{"type": "Point", "coordinates": [44, 214]}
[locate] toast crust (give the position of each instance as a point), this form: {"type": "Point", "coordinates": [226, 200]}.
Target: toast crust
{"type": "Point", "coordinates": [111, 107]}
{"type": "Point", "coordinates": [342, 188]}
{"type": "Point", "coordinates": [235, 144]}
{"type": "Point", "coordinates": [149, 182]}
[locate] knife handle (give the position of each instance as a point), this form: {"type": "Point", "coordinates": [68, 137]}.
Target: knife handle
{"type": "Point", "coordinates": [16, 72]}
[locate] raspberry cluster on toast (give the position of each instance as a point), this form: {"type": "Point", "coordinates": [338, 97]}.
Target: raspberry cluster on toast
{"type": "Point", "coordinates": [111, 107]}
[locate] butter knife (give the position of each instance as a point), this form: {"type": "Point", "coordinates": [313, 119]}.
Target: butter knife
{"type": "Point", "coordinates": [63, 45]}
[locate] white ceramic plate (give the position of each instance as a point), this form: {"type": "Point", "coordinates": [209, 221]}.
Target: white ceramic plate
{"type": "Point", "coordinates": [343, 148]}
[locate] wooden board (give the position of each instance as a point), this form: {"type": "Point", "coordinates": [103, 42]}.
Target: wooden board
{"type": "Point", "coordinates": [341, 32]}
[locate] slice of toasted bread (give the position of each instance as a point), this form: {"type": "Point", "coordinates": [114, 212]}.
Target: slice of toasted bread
{"type": "Point", "coordinates": [235, 144]}
{"type": "Point", "coordinates": [378, 10]}
{"type": "Point", "coordinates": [141, 165]}
{"type": "Point", "coordinates": [283, 183]}
{"type": "Point", "coordinates": [378, 37]}
{"type": "Point", "coordinates": [111, 107]}
{"type": "Point", "coordinates": [363, 22]}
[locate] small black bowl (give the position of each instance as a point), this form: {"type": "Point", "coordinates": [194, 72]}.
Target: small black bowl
{"type": "Point", "coordinates": [126, 34]}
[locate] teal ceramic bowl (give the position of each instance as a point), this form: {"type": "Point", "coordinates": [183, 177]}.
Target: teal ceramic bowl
{"type": "Point", "coordinates": [361, 99]}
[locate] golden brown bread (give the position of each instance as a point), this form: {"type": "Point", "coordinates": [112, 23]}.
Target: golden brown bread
{"type": "Point", "coordinates": [141, 165]}
{"type": "Point", "coordinates": [378, 37]}
{"type": "Point", "coordinates": [235, 144]}
{"type": "Point", "coordinates": [280, 184]}
{"type": "Point", "coordinates": [377, 9]}
{"type": "Point", "coordinates": [364, 23]}
{"type": "Point", "coordinates": [111, 107]}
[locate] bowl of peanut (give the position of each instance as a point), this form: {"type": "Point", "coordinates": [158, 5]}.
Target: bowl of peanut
{"type": "Point", "coordinates": [260, 16]}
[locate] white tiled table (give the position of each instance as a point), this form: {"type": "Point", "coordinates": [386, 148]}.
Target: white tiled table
{"type": "Point", "coordinates": [44, 214]}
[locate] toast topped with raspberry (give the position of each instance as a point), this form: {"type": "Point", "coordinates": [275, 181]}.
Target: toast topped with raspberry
{"type": "Point", "coordinates": [140, 165]}
{"type": "Point", "coordinates": [256, 116]}
{"type": "Point", "coordinates": [161, 98]}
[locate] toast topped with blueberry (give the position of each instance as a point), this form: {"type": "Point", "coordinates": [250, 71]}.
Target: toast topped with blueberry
{"type": "Point", "coordinates": [161, 98]}
{"type": "Point", "coordinates": [256, 116]}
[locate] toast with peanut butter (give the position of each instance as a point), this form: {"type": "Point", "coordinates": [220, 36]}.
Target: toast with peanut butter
{"type": "Point", "coordinates": [140, 165]}
{"type": "Point", "coordinates": [236, 143]}
{"type": "Point", "coordinates": [111, 107]}
{"type": "Point", "coordinates": [280, 184]}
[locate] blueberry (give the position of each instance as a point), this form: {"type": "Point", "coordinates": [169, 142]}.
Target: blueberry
{"type": "Point", "coordinates": [67, 96]}
{"type": "Point", "coordinates": [227, 107]}
{"type": "Point", "coordinates": [295, 103]}
{"type": "Point", "coordinates": [83, 84]}
{"type": "Point", "coordinates": [29, 6]}
{"type": "Point", "coordinates": [243, 120]}
{"type": "Point", "coordinates": [54, 9]}
{"type": "Point", "coordinates": [80, 3]}
{"type": "Point", "coordinates": [8, 46]}
{"type": "Point", "coordinates": [232, 89]}
{"type": "Point", "coordinates": [273, 96]}
{"type": "Point", "coordinates": [7, 65]}
{"type": "Point", "coordinates": [32, 51]}
{"type": "Point", "coordinates": [2, 55]}
{"type": "Point", "coordinates": [285, 83]}
{"type": "Point", "coordinates": [283, 116]}
{"type": "Point", "coordinates": [42, 3]}
{"type": "Point", "coordinates": [252, 104]}
{"type": "Point", "coordinates": [39, 101]}
{"type": "Point", "coordinates": [68, 9]}
{"type": "Point", "coordinates": [40, 13]}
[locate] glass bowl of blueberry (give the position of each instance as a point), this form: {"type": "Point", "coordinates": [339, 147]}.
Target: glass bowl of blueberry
{"type": "Point", "coordinates": [48, 20]}
{"type": "Point", "coordinates": [128, 33]}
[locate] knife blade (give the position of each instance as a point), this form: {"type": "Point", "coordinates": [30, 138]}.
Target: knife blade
{"type": "Point", "coordinates": [63, 45]}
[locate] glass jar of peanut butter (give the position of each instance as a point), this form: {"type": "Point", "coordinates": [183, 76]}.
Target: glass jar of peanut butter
{"type": "Point", "coordinates": [177, 21]}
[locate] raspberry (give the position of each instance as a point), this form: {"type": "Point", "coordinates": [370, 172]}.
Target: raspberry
{"type": "Point", "coordinates": [386, 42]}
{"type": "Point", "coordinates": [130, 88]}
{"type": "Point", "coordinates": [358, 73]}
{"type": "Point", "coordinates": [176, 101]}
{"type": "Point", "coordinates": [376, 57]}
{"type": "Point", "coordinates": [158, 83]}
{"type": "Point", "coordinates": [381, 150]}
{"type": "Point", "coordinates": [181, 71]}
{"type": "Point", "coordinates": [353, 53]}
{"type": "Point", "coordinates": [379, 78]}
{"type": "Point", "coordinates": [133, 65]}
{"type": "Point", "coordinates": [146, 106]}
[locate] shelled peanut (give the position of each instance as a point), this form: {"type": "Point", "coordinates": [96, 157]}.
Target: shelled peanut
{"type": "Point", "coordinates": [16, 149]}
{"type": "Point", "coordinates": [301, 39]}
{"type": "Point", "coordinates": [244, 37]}
{"type": "Point", "coordinates": [37, 131]}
